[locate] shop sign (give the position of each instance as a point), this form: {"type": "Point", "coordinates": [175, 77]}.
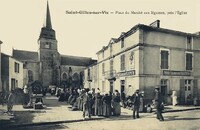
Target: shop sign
{"type": "Point", "coordinates": [126, 73]}
{"type": "Point", "coordinates": [176, 73]}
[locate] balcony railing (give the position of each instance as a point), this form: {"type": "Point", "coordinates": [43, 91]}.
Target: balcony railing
{"type": "Point", "coordinates": [110, 74]}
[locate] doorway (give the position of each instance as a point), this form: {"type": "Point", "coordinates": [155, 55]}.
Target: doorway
{"type": "Point", "coordinates": [111, 86]}
{"type": "Point", "coordinates": [188, 91]}
{"type": "Point", "coordinates": [122, 86]}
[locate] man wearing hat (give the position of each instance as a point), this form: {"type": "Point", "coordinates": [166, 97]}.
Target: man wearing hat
{"type": "Point", "coordinates": [136, 103]}
{"type": "Point", "coordinates": [158, 102]}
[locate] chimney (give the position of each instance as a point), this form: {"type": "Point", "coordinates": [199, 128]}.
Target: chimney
{"type": "Point", "coordinates": [156, 24]}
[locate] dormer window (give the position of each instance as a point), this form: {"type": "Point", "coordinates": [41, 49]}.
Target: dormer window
{"type": "Point", "coordinates": [189, 43]}
{"type": "Point", "coordinates": [103, 54]}
{"type": "Point", "coordinates": [122, 43]}
{"type": "Point", "coordinates": [111, 50]}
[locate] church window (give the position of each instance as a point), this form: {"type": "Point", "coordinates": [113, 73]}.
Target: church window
{"type": "Point", "coordinates": [75, 77]}
{"type": "Point", "coordinates": [64, 76]}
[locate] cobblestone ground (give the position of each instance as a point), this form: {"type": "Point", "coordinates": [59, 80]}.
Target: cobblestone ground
{"type": "Point", "coordinates": [60, 111]}
{"type": "Point", "coordinates": [187, 120]}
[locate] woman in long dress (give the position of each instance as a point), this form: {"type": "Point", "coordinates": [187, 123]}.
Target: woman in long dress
{"type": "Point", "coordinates": [98, 104]}
{"type": "Point", "coordinates": [116, 103]}
{"type": "Point", "coordinates": [107, 105]}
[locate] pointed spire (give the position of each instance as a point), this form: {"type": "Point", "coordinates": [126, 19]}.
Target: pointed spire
{"type": "Point", "coordinates": [48, 17]}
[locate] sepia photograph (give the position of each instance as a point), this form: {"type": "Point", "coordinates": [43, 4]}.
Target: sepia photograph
{"type": "Point", "coordinates": [99, 65]}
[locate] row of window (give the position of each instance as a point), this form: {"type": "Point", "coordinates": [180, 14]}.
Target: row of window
{"type": "Point", "coordinates": [189, 42]}
{"type": "Point", "coordinates": [122, 63]}
{"type": "Point", "coordinates": [164, 61]}
{"type": "Point", "coordinates": [164, 86]}
{"type": "Point", "coordinates": [164, 57]}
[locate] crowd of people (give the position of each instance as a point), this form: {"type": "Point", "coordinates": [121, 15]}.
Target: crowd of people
{"type": "Point", "coordinates": [93, 103]}
{"type": "Point", "coordinates": [96, 103]}
{"type": "Point", "coordinates": [107, 104]}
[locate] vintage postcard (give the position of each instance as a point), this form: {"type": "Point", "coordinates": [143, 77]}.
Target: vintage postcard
{"type": "Point", "coordinates": [99, 64]}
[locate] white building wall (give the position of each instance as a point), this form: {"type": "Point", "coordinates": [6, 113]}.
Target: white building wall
{"type": "Point", "coordinates": [148, 73]}
{"type": "Point", "coordinates": [132, 39]}
{"type": "Point", "coordinates": [15, 75]}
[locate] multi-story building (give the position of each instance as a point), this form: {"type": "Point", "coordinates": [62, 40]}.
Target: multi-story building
{"type": "Point", "coordinates": [90, 77]}
{"type": "Point", "coordinates": [147, 56]}
{"type": "Point", "coordinates": [12, 73]}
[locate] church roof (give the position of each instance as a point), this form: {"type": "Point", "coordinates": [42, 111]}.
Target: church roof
{"type": "Point", "coordinates": [25, 55]}
{"type": "Point", "coordinates": [76, 60]}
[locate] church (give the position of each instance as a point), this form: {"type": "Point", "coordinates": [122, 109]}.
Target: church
{"type": "Point", "coordinates": [48, 66]}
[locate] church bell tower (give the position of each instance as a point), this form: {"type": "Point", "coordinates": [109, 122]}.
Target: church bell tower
{"type": "Point", "coordinates": [48, 54]}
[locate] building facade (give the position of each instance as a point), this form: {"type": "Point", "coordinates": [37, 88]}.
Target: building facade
{"type": "Point", "coordinates": [147, 56]}
{"type": "Point", "coordinates": [12, 73]}
{"type": "Point", "coordinates": [91, 77]}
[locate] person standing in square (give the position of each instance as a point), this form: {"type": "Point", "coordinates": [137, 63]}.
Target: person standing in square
{"type": "Point", "coordinates": [136, 104]}
{"type": "Point", "coordinates": [158, 104]}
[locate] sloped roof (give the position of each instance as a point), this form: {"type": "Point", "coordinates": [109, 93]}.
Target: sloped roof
{"type": "Point", "coordinates": [25, 55]}
{"type": "Point", "coordinates": [149, 28]}
{"type": "Point", "coordinates": [76, 60]}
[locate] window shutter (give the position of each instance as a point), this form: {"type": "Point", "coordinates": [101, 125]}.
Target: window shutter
{"type": "Point", "coordinates": [168, 86]}
{"type": "Point", "coordinates": [195, 88]}
{"type": "Point", "coordinates": [182, 91]}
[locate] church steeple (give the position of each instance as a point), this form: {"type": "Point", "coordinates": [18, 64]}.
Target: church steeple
{"type": "Point", "coordinates": [48, 17]}
{"type": "Point", "coordinates": [47, 31]}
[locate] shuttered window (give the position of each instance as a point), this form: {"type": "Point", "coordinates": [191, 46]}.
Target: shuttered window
{"type": "Point", "coordinates": [164, 59]}
{"type": "Point", "coordinates": [16, 67]}
{"type": "Point", "coordinates": [103, 68]}
{"type": "Point", "coordinates": [189, 61]}
{"type": "Point", "coordinates": [122, 67]}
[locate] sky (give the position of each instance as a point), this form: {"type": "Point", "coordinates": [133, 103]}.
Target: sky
{"type": "Point", "coordinates": [85, 34]}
